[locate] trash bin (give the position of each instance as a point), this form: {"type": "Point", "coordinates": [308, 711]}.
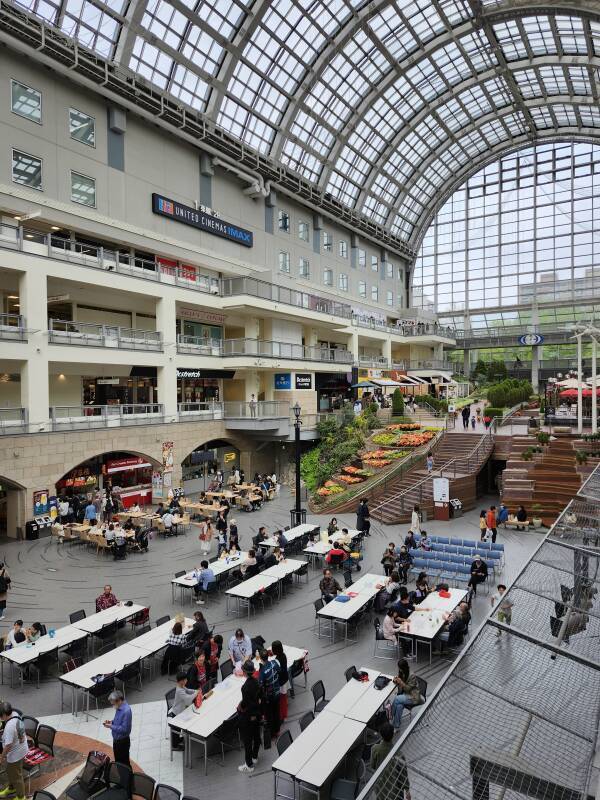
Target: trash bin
{"type": "Point", "coordinates": [31, 530]}
{"type": "Point", "coordinates": [455, 508]}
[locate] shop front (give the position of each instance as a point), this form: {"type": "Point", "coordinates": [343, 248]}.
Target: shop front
{"type": "Point", "coordinates": [202, 465]}
{"type": "Point", "coordinates": [129, 476]}
{"type": "Point", "coordinates": [201, 385]}
{"type": "Point", "coordinates": [333, 388]}
{"type": "Point", "coordinates": [201, 327]}
{"type": "Point", "coordinates": [139, 387]}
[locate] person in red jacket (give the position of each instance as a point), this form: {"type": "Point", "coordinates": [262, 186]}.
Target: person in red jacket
{"type": "Point", "coordinates": [490, 522]}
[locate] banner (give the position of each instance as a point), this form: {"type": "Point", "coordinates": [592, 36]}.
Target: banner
{"type": "Point", "coordinates": [167, 457]}
{"type": "Point", "coordinates": [157, 486]}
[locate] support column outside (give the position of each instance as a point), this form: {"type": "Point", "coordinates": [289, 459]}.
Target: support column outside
{"type": "Point", "coordinates": [166, 320]}
{"type": "Point", "coordinates": [535, 367]}
{"type": "Point", "coordinates": [35, 391]}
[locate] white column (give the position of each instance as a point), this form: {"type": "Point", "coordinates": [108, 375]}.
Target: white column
{"type": "Point", "coordinates": [252, 384]}
{"type": "Point", "coordinates": [535, 367]}
{"type": "Point", "coordinates": [166, 318]}
{"type": "Point", "coordinates": [353, 346]}
{"type": "Point", "coordinates": [387, 351]}
{"type": "Point", "coordinates": [579, 387]}
{"type": "Point", "coordinates": [594, 388]}
{"type": "Point", "coordinates": [35, 393]}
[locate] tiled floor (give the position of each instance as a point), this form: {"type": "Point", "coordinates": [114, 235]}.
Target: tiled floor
{"type": "Point", "coordinates": [48, 583]}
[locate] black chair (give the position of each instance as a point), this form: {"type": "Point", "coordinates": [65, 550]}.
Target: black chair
{"type": "Point", "coordinates": [76, 616]}
{"type": "Point", "coordinates": [318, 604]}
{"type": "Point", "coordinates": [91, 779]}
{"type": "Point", "coordinates": [211, 589]}
{"type": "Point", "coordinates": [164, 792]}
{"type": "Point", "coordinates": [348, 673]}
{"type": "Point", "coordinates": [31, 726]}
{"type": "Point", "coordinates": [302, 572]}
{"type": "Point", "coordinates": [141, 631]}
{"type": "Point", "coordinates": [142, 786]}
{"type": "Point", "coordinates": [336, 560]}
{"type": "Point", "coordinates": [226, 669]}
{"type": "Point", "coordinates": [347, 578]}
{"type": "Point", "coordinates": [305, 720]}
{"type": "Point", "coordinates": [130, 672]}
{"type": "Point", "coordinates": [318, 693]}
{"type": "Point", "coordinates": [296, 669]}
{"type": "Point", "coordinates": [102, 689]}
{"type": "Point", "coordinates": [162, 620]}
{"type": "Point", "coordinates": [228, 735]}
{"type": "Point", "coordinates": [107, 636]}
{"type": "Point", "coordinates": [283, 742]}
{"type": "Point", "coordinates": [119, 776]}
{"type": "Point", "coordinates": [40, 794]}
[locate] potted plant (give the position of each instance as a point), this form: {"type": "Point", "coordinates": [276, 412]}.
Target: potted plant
{"type": "Point", "coordinates": [536, 520]}
{"type": "Point", "coordinates": [581, 457]}
{"type": "Point", "coordinates": [527, 454]}
{"type": "Point", "coordinates": [543, 438]}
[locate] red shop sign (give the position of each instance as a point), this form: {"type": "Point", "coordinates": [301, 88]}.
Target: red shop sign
{"type": "Point", "coordinates": [121, 464]}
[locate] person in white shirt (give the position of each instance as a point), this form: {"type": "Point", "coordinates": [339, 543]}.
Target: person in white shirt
{"type": "Point", "coordinates": [390, 627]}
{"type": "Point", "coordinates": [168, 521]}
{"type": "Point", "coordinates": [109, 534]}
{"type": "Point", "coordinates": [14, 750]}
{"type": "Point", "coordinates": [135, 508]}
{"type": "Point", "coordinates": [16, 636]}
{"type": "Point", "coordinates": [63, 510]}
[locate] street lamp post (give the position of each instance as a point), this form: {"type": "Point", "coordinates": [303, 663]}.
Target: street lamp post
{"type": "Point", "coordinates": [298, 514]}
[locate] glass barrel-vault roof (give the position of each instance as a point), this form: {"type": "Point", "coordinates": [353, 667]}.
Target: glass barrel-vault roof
{"type": "Point", "coordinates": [386, 105]}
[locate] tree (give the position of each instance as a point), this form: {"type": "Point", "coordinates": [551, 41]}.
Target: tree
{"type": "Point", "coordinates": [397, 403]}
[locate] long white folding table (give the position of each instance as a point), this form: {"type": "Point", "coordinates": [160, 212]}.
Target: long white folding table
{"type": "Point", "coordinates": [289, 566]}
{"type": "Point", "coordinates": [198, 725]}
{"type": "Point", "coordinates": [293, 533]}
{"type": "Point", "coordinates": [340, 613]}
{"type": "Point", "coordinates": [361, 700]}
{"type": "Point", "coordinates": [429, 617]}
{"type": "Point", "coordinates": [219, 567]}
{"type": "Point", "coordinates": [246, 590]}
{"type": "Point", "coordinates": [317, 551]}
{"type": "Point", "coordinates": [119, 613]}
{"type": "Point", "coordinates": [23, 655]}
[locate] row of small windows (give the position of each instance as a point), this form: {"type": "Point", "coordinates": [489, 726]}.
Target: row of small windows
{"type": "Point", "coordinates": [27, 103]}
{"type": "Point", "coordinates": [304, 234]}
{"type": "Point", "coordinates": [27, 171]}
{"type": "Point", "coordinates": [328, 278]}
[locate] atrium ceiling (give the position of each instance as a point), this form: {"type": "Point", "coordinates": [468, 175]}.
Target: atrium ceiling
{"type": "Point", "coordinates": [386, 106]}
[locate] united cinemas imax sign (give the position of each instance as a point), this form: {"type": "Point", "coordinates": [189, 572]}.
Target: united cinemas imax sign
{"type": "Point", "coordinates": [199, 219]}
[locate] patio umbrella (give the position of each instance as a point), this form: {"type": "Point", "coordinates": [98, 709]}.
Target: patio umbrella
{"type": "Point", "coordinates": [569, 383]}
{"type": "Point", "coordinates": [363, 385]}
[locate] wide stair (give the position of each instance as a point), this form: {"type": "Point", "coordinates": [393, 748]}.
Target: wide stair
{"type": "Point", "coordinates": [550, 480]}
{"type": "Point", "coordinates": [458, 456]}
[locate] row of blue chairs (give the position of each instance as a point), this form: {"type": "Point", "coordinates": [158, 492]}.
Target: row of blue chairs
{"type": "Point", "coordinates": [492, 559]}
{"type": "Point", "coordinates": [488, 555]}
{"type": "Point", "coordinates": [443, 570]}
{"type": "Point", "coordinates": [463, 542]}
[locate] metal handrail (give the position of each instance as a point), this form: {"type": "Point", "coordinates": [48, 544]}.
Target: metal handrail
{"type": "Point", "coordinates": [71, 332]}
{"type": "Point", "coordinates": [260, 409]}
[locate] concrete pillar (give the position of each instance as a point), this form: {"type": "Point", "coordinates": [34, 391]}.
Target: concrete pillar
{"type": "Point", "coordinates": [167, 373]}
{"type": "Point", "coordinates": [252, 328]}
{"type": "Point", "coordinates": [35, 392]}
{"type": "Point", "coordinates": [386, 350]}
{"type": "Point", "coordinates": [466, 363]}
{"type": "Point", "coordinates": [252, 384]}
{"type": "Point", "coordinates": [353, 346]}
{"type": "Point", "coordinates": [535, 368]}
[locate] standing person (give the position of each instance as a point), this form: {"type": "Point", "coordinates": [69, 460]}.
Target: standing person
{"type": "Point", "coordinates": [389, 559]}
{"type": "Point", "coordinates": [120, 727]}
{"type": "Point", "coordinates": [473, 421]}
{"type": "Point", "coordinates": [63, 510]}
{"type": "Point", "coordinates": [506, 606]}
{"type": "Point", "coordinates": [521, 518]}
{"type": "Point", "coordinates": [268, 680]}
{"type": "Point", "coordinates": [429, 463]}
{"type": "Point", "coordinates": [4, 587]}
{"type": "Point", "coordinates": [252, 405]}
{"type": "Point", "coordinates": [14, 750]}
{"type": "Point", "coordinates": [233, 534]}
{"type": "Point", "coordinates": [491, 523]}
{"type": "Point", "coordinates": [205, 536]}
{"type": "Point", "coordinates": [363, 517]}
{"type": "Point", "coordinates": [482, 524]}
{"type": "Point", "coordinates": [284, 685]}
{"type": "Point", "coordinates": [249, 711]}
{"type": "Point", "coordinates": [415, 520]}
{"type": "Point", "coordinates": [90, 512]}
{"type": "Point", "coordinates": [465, 417]}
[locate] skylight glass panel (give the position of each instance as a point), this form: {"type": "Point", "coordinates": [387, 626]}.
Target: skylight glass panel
{"type": "Point", "coordinates": [572, 36]}
{"type": "Point", "coordinates": [310, 131]}
{"type": "Point", "coordinates": [376, 210]}
{"type": "Point", "coordinates": [300, 160]}
{"type": "Point", "coordinates": [453, 115]}
{"type": "Point", "coordinates": [542, 118]}
{"type": "Point", "coordinates": [510, 40]}
{"type": "Point", "coordinates": [189, 87]}
{"type": "Point", "coordinates": [451, 64]}
{"type": "Point", "coordinates": [151, 63]}
{"type": "Point", "coordinates": [202, 50]}
{"type": "Point", "coordinates": [48, 11]}
{"type": "Point", "coordinates": [92, 26]}
{"type": "Point", "coordinates": [478, 50]}
{"type": "Point", "coordinates": [391, 30]}
{"type": "Point", "coordinates": [342, 188]}
{"type": "Point", "coordinates": [423, 19]}
{"type": "Point", "coordinates": [595, 34]}
{"type": "Point", "coordinates": [565, 114]}
{"type": "Point", "coordinates": [165, 22]}
{"type": "Point", "coordinates": [539, 34]}
{"type": "Point", "coordinates": [590, 116]}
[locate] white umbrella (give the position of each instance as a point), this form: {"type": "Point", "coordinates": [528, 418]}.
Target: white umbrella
{"type": "Point", "coordinates": [569, 383]}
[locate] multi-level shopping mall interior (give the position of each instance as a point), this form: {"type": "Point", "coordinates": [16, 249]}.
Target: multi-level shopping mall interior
{"type": "Point", "coordinates": [299, 447]}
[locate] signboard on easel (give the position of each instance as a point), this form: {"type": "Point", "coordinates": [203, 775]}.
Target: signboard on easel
{"type": "Point", "coordinates": [441, 499]}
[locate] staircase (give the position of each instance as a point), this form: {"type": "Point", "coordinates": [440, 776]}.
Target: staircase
{"type": "Point", "coordinates": [458, 456]}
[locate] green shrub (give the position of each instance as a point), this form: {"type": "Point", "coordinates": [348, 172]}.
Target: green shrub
{"type": "Point", "coordinates": [543, 437]}
{"type": "Point", "coordinates": [490, 411]}
{"type": "Point", "coordinates": [397, 403]}
{"type": "Point", "coordinates": [340, 441]}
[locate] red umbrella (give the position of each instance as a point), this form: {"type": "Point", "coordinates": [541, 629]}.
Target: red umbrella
{"type": "Point", "coordinates": [572, 393]}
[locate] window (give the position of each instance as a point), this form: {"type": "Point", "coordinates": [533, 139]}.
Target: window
{"type": "Point", "coordinates": [343, 282]}
{"type": "Point", "coordinates": [284, 261]}
{"type": "Point", "coordinates": [362, 259]}
{"type": "Point", "coordinates": [26, 102]}
{"type": "Point", "coordinates": [328, 277]}
{"type": "Point", "coordinates": [83, 190]}
{"type": "Point", "coordinates": [26, 170]}
{"type": "Point", "coordinates": [375, 293]}
{"type": "Point", "coordinates": [389, 297]}
{"type": "Point", "coordinates": [374, 263]}
{"type": "Point", "coordinates": [362, 289]}
{"type": "Point", "coordinates": [389, 269]}
{"type": "Point", "coordinates": [343, 249]}
{"type": "Point", "coordinates": [82, 127]}
{"type": "Point", "coordinates": [327, 242]}
{"type": "Point", "coordinates": [284, 221]}
{"type": "Point", "coordinates": [303, 268]}
{"type": "Point", "coordinates": [303, 231]}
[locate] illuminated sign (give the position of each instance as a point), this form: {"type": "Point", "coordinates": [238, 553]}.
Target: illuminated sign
{"type": "Point", "coordinates": [197, 218]}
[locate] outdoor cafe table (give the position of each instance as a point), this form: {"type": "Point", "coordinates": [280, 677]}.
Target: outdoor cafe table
{"type": "Point", "coordinates": [219, 567]}
{"type": "Point", "coordinates": [429, 617]}
{"type": "Point", "coordinates": [23, 655]}
{"type": "Point", "coordinates": [198, 725]}
{"type": "Point", "coordinates": [248, 589]}
{"type": "Point", "coordinates": [362, 591]}
{"type": "Point", "coordinates": [293, 533]}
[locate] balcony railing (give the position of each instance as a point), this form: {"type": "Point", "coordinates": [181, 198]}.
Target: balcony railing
{"type": "Point", "coordinates": [69, 417]}
{"type": "Point", "coordinates": [447, 366]}
{"type": "Point", "coordinates": [379, 362]}
{"type": "Point", "coordinates": [232, 287]}
{"type": "Point", "coordinates": [405, 327]}
{"type": "Point", "coordinates": [13, 420]}
{"type": "Point", "coordinates": [12, 328]}
{"type": "Point", "coordinates": [261, 409]}
{"type": "Point", "coordinates": [211, 409]}
{"type": "Point", "coordinates": [199, 346]}
{"type": "Point", "coordinates": [91, 334]}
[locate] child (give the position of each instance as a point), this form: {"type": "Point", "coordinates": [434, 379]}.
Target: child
{"type": "Point", "coordinates": [473, 421]}
{"type": "Point", "coordinates": [505, 608]}
{"type": "Point", "coordinates": [429, 462]}
{"type": "Point", "coordinates": [221, 542]}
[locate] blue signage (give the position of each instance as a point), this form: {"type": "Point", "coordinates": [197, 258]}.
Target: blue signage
{"type": "Point", "coordinates": [199, 219]}
{"type": "Point", "coordinates": [283, 380]}
{"type": "Point", "coordinates": [531, 339]}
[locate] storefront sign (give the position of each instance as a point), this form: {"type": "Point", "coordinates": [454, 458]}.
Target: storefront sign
{"type": "Point", "coordinates": [199, 219]}
{"type": "Point", "coordinates": [107, 381]}
{"type": "Point", "coordinates": [157, 487]}
{"type": "Point", "coordinates": [212, 317]}
{"type": "Point", "coordinates": [122, 464]}
{"type": "Point", "coordinates": [283, 381]}
{"type": "Point", "coordinates": [41, 504]}
{"type": "Point", "coordinates": [167, 459]}
{"type": "Point", "coordinates": [228, 458]}
{"type": "Point", "coordinates": [303, 380]}
{"type": "Point", "coordinates": [531, 339]}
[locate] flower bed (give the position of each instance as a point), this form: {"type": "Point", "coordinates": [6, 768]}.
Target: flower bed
{"type": "Point", "coordinates": [361, 473]}
{"type": "Point", "coordinates": [404, 426]}
{"type": "Point", "coordinates": [389, 439]}
{"type": "Point", "coordinates": [415, 439]}
{"type": "Point", "coordinates": [329, 491]}
{"type": "Point", "coordinates": [350, 479]}
{"type": "Point", "coordinates": [378, 463]}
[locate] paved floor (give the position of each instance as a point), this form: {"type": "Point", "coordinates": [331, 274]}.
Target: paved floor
{"type": "Point", "coordinates": [49, 582]}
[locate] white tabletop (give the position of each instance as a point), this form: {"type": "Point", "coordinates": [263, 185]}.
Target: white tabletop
{"type": "Point", "coordinates": [114, 661]}
{"type": "Point", "coordinates": [218, 567]}
{"type": "Point", "coordinates": [96, 622]}
{"type": "Point", "coordinates": [360, 701]}
{"type": "Point", "coordinates": [429, 617]}
{"type": "Point", "coordinates": [293, 533]}
{"type": "Point", "coordinates": [252, 586]}
{"type": "Point", "coordinates": [45, 644]}
{"type": "Point", "coordinates": [365, 588]}
{"type": "Point", "coordinates": [339, 536]}
{"type": "Point", "coordinates": [155, 639]}
{"type": "Point", "coordinates": [214, 710]}
{"type": "Point", "coordinates": [318, 549]}
{"type": "Point", "coordinates": [286, 567]}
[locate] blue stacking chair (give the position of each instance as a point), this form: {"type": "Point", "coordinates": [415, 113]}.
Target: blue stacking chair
{"type": "Point", "coordinates": [498, 546]}
{"type": "Point", "coordinates": [469, 543]}
{"type": "Point", "coordinates": [451, 548]}
{"type": "Point", "coordinates": [484, 545]}
{"type": "Point", "coordinates": [465, 551]}
{"type": "Point", "coordinates": [457, 559]}
{"type": "Point", "coordinates": [463, 574]}
{"type": "Point", "coordinates": [458, 542]}
{"type": "Point", "coordinates": [419, 565]}
{"type": "Point", "coordinates": [449, 572]}
{"type": "Point", "coordinates": [443, 540]}
{"type": "Point", "coordinates": [434, 568]}
{"type": "Point", "coordinates": [429, 554]}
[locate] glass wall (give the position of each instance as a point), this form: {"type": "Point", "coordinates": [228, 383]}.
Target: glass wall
{"type": "Point", "coordinates": [523, 227]}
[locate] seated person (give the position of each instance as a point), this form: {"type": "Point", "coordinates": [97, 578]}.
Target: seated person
{"type": "Point", "coordinates": [204, 576]}
{"type": "Point", "coordinates": [379, 751]}
{"type": "Point", "coordinates": [212, 649]}
{"type": "Point", "coordinates": [410, 541]}
{"type": "Point", "coordinates": [425, 542]}
{"type": "Point", "coordinates": [234, 550]}
{"type": "Point", "coordinates": [167, 519]}
{"type": "Point", "coordinates": [409, 693]}
{"type": "Point", "coordinates": [282, 540]}
{"type": "Point", "coordinates": [128, 525]}
{"type": "Point", "coordinates": [199, 631]}
{"type": "Point", "coordinates": [479, 573]}
{"type": "Point", "coordinates": [135, 508]}
{"type": "Point", "coordinates": [260, 536]}
{"type": "Point", "coordinates": [106, 600]}
{"type": "Point", "coordinates": [249, 561]}
{"type": "Point", "coordinates": [33, 634]}
{"type": "Point", "coordinates": [160, 510]}
{"type": "Point", "coordinates": [403, 607]}
{"type": "Point", "coordinates": [329, 586]}
{"type": "Point", "coordinates": [392, 584]}
{"type": "Point", "coordinates": [336, 555]}
{"type": "Point", "coordinates": [120, 545]}
{"type": "Point", "coordinates": [197, 677]}
{"type": "Point", "coordinates": [332, 527]}
{"type": "Point", "coordinates": [344, 537]}
{"type": "Point", "coordinates": [16, 636]}
{"type": "Point", "coordinates": [173, 652]}
{"type": "Point", "coordinates": [456, 625]}
{"type": "Point", "coordinates": [405, 561]}
{"type": "Point", "coordinates": [240, 647]}
{"type": "Point", "coordinates": [278, 555]}
{"type": "Point", "coordinates": [184, 697]}
{"type": "Point", "coordinates": [391, 627]}
{"type": "Point", "coordinates": [422, 588]}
